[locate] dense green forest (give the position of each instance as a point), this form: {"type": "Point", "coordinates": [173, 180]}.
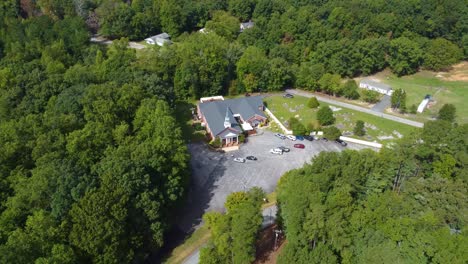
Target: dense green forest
{"type": "Point", "coordinates": [233, 234]}
{"type": "Point", "coordinates": [407, 204]}
{"type": "Point", "coordinates": [92, 161]}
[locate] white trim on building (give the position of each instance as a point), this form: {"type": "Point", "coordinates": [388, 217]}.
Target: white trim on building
{"type": "Point", "coordinates": [376, 86]}
{"type": "Point", "coordinates": [422, 105]}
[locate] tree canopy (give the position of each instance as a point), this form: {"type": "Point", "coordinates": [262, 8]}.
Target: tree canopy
{"type": "Point", "coordinates": [404, 203]}
{"type": "Point", "coordinates": [92, 159]}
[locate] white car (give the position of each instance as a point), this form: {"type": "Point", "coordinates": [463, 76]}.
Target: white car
{"type": "Point", "coordinates": [240, 160]}
{"type": "Point", "coordinates": [276, 151]}
{"type": "Point", "coordinates": [291, 137]}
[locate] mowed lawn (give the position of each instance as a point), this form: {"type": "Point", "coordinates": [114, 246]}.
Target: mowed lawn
{"type": "Point", "coordinates": [425, 82]}
{"type": "Point", "coordinates": [378, 129]}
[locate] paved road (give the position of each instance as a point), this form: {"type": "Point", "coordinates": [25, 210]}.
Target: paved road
{"type": "Point", "coordinates": [357, 108]}
{"type": "Point", "coordinates": [269, 216]}
{"type": "Point", "coordinates": [383, 104]}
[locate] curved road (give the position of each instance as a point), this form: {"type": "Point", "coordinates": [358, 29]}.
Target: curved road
{"type": "Point", "coordinates": [269, 216]}
{"type": "Point", "coordinates": [355, 107]}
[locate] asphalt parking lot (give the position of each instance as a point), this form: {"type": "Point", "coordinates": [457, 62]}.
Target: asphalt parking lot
{"type": "Point", "coordinates": [215, 175]}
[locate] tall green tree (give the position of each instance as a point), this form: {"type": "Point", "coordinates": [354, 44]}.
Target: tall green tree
{"type": "Point", "coordinates": [359, 128]}
{"type": "Point", "coordinates": [398, 99]}
{"type": "Point", "coordinates": [203, 68]}
{"type": "Point", "coordinates": [447, 112]}
{"type": "Point", "coordinates": [331, 84]}
{"type": "Point", "coordinates": [241, 9]}
{"type": "Point", "coordinates": [332, 133]}
{"type": "Point", "coordinates": [250, 69]}
{"type": "Point", "coordinates": [224, 25]}
{"type": "Point", "coordinates": [309, 75]}
{"type": "Point", "coordinates": [350, 90]}
{"type": "Point", "coordinates": [234, 233]}
{"type": "Point", "coordinates": [325, 116]}
{"type": "Point", "coordinates": [173, 17]}
{"type": "Point", "coordinates": [405, 56]}
{"type": "Point", "coordinates": [441, 54]}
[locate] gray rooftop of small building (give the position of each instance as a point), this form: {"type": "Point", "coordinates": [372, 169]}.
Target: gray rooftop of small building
{"type": "Point", "coordinates": [376, 84]}
{"type": "Point", "coordinates": [249, 24]}
{"type": "Point", "coordinates": [163, 35]}
{"type": "Point", "coordinates": [215, 111]}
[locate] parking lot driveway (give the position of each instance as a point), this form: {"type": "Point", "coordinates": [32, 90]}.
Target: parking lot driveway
{"type": "Point", "coordinates": [215, 175]}
{"type": "Point", "coordinates": [384, 103]}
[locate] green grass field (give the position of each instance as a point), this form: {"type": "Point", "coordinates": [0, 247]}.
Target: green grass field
{"type": "Point", "coordinates": [285, 108]}
{"type": "Point", "coordinates": [442, 90]}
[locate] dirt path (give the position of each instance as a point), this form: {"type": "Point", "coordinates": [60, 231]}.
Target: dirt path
{"type": "Point", "coordinates": [131, 44]}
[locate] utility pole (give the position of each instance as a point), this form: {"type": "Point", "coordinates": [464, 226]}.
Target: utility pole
{"type": "Point", "coordinates": [277, 233]}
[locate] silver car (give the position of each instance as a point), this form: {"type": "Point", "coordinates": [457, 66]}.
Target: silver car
{"type": "Point", "coordinates": [240, 160]}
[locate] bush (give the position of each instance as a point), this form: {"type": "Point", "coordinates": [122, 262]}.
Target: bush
{"type": "Point", "coordinates": [370, 96]}
{"type": "Point", "coordinates": [198, 127]}
{"type": "Point", "coordinates": [447, 112]}
{"type": "Point", "coordinates": [325, 116]}
{"type": "Point", "coordinates": [216, 143]}
{"type": "Point", "coordinates": [296, 126]}
{"type": "Point", "coordinates": [350, 90]}
{"type": "Point", "coordinates": [332, 133]}
{"type": "Point", "coordinates": [241, 138]}
{"type": "Point", "coordinates": [398, 100]}
{"type": "Point", "coordinates": [359, 128]}
{"type": "Point", "coordinates": [233, 88]}
{"type": "Point", "coordinates": [413, 109]}
{"type": "Point", "coordinates": [313, 103]}
{"type": "Point", "coordinates": [310, 127]}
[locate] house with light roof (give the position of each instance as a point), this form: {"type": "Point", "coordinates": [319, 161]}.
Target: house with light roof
{"type": "Point", "coordinates": [160, 39]}
{"type": "Point", "coordinates": [376, 86]}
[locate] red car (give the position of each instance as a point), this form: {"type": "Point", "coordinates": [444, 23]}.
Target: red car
{"type": "Point", "coordinates": [299, 146]}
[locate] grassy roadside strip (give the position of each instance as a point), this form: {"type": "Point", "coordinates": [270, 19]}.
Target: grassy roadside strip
{"type": "Point", "coordinates": [285, 108]}
{"type": "Point", "coordinates": [271, 200]}
{"type": "Point", "coordinates": [195, 241]}
{"type": "Point", "coordinates": [201, 237]}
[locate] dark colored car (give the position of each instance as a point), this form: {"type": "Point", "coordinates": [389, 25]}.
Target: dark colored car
{"type": "Point", "coordinates": [288, 96]}
{"type": "Point", "coordinates": [299, 146]}
{"type": "Point", "coordinates": [284, 149]}
{"type": "Point", "coordinates": [280, 136]}
{"type": "Point", "coordinates": [310, 138]}
{"type": "Point", "coordinates": [325, 139]}
{"type": "Point", "coordinates": [341, 142]}
{"type": "Point", "coordinates": [301, 138]}
{"type": "Point", "coordinates": [251, 158]}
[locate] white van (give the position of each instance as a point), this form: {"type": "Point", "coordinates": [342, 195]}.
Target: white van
{"type": "Point", "coordinates": [276, 151]}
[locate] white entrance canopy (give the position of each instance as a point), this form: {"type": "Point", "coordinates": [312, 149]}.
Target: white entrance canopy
{"type": "Point", "coordinates": [246, 126]}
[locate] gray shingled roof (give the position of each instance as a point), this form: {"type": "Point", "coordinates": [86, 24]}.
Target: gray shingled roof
{"type": "Point", "coordinates": [376, 84]}
{"type": "Point", "coordinates": [161, 36]}
{"type": "Point", "coordinates": [215, 112]}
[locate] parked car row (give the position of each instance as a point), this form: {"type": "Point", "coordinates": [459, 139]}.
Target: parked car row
{"type": "Point", "coordinates": [294, 138]}
{"type": "Point", "coordinates": [309, 138]}
{"type": "Point", "coordinates": [242, 160]}
{"type": "Point", "coordinates": [280, 136]}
